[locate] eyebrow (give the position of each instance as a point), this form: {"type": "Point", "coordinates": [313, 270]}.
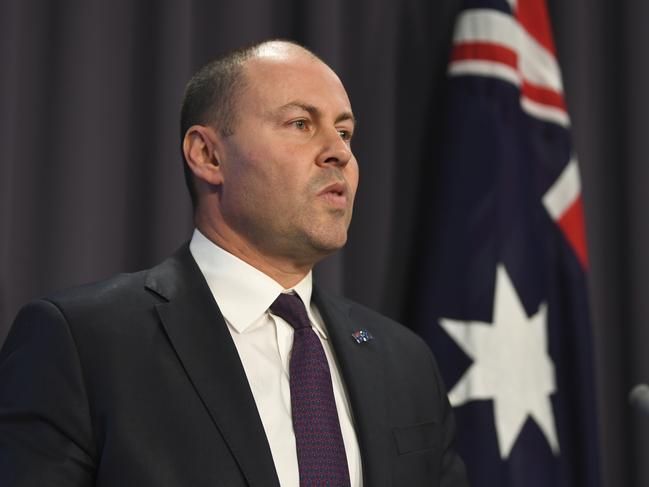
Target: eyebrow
{"type": "Point", "coordinates": [315, 112]}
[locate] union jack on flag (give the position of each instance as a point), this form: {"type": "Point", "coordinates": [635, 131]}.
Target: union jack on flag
{"type": "Point", "coordinates": [502, 299]}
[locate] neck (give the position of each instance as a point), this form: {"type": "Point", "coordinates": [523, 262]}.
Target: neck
{"type": "Point", "coordinates": [284, 271]}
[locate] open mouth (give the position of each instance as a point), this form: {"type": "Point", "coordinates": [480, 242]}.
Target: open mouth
{"type": "Point", "coordinates": [335, 194]}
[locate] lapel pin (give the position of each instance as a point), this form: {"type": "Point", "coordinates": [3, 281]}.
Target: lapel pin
{"type": "Point", "coordinates": [362, 336]}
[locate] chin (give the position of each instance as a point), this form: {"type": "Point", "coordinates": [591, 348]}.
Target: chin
{"type": "Point", "coordinates": [322, 238]}
{"type": "Point", "coordinates": [329, 245]}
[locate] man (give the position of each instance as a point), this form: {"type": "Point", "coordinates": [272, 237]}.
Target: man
{"type": "Point", "coordinates": [222, 366]}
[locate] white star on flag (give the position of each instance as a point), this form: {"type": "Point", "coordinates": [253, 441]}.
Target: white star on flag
{"type": "Point", "coordinates": [511, 365]}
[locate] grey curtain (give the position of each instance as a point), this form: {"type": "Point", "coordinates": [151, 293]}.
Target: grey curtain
{"type": "Point", "coordinates": [91, 179]}
{"type": "Point", "coordinates": [602, 50]}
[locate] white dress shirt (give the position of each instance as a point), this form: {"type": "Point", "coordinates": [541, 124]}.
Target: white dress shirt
{"type": "Point", "coordinates": [264, 343]}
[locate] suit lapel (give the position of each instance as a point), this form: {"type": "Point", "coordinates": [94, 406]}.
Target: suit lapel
{"type": "Point", "coordinates": [200, 337]}
{"type": "Point", "coordinates": [361, 369]}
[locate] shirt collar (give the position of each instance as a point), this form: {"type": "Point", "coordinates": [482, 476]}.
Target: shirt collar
{"type": "Point", "coordinates": [242, 292]}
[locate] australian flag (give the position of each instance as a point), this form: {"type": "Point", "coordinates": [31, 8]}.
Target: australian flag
{"type": "Point", "coordinates": [503, 299]}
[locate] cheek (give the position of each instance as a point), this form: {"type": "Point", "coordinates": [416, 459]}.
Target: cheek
{"type": "Point", "coordinates": [246, 189]}
{"type": "Point", "coordinates": [275, 187]}
{"type": "Point", "coordinates": [252, 170]}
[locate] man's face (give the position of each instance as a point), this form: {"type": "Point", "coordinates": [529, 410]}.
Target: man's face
{"type": "Point", "coordinates": [289, 176]}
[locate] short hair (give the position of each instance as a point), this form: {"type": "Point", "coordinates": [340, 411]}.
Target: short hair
{"type": "Point", "coordinates": [211, 97]}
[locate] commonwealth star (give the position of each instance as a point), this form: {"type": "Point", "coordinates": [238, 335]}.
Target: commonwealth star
{"type": "Point", "coordinates": [511, 365]}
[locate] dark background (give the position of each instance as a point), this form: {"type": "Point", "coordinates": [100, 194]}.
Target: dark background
{"type": "Point", "coordinates": [91, 179]}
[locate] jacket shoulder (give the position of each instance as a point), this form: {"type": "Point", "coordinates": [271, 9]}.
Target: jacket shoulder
{"type": "Point", "coordinates": [130, 291]}
{"type": "Point", "coordinates": [112, 291]}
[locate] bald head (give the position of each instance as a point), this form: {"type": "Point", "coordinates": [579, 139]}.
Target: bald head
{"type": "Point", "coordinates": [281, 51]}
{"type": "Point", "coordinates": [212, 94]}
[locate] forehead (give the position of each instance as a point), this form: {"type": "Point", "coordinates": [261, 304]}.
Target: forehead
{"type": "Point", "coordinates": [275, 80]}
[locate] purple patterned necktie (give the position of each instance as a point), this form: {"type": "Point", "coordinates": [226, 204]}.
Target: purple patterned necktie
{"type": "Point", "coordinates": [320, 449]}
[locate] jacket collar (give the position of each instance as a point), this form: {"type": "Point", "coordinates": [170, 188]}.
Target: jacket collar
{"type": "Point", "coordinates": [199, 335]}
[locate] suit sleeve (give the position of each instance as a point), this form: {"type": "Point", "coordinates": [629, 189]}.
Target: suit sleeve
{"type": "Point", "coordinates": [453, 472]}
{"type": "Point", "coordinates": [45, 429]}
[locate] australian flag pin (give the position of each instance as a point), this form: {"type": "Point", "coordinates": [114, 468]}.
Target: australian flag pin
{"type": "Point", "coordinates": [362, 336]}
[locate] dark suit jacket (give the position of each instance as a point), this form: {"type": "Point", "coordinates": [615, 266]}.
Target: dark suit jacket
{"type": "Point", "coordinates": [136, 381]}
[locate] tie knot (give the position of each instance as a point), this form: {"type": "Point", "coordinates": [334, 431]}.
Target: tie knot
{"type": "Point", "coordinates": [291, 309]}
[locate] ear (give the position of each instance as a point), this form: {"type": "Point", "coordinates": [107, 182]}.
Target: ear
{"type": "Point", "coordinates": [200, 147]}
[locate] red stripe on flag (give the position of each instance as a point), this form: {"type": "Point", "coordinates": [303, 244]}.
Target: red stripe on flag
{"type": "Point", "coordinates": [572, 225]}
{"type": "Point", "coordinates": [533, 16]}
{"type": "Point", "coordinates": [484, 51]}
{"type": "Point", "coordinates": [544, 96]}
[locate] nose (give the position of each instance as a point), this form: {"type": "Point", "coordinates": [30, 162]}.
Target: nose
{"type": "Point", "coordinates": [335, 150]}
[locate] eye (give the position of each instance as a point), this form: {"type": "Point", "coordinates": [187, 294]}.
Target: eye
{"type": "Point", "coordinates": [345, 134]}
{"type": "Point", "coordinates": [300, 124]}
